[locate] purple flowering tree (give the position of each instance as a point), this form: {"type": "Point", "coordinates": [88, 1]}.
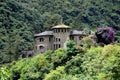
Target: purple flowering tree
{"type": "Point", "coordinates": [105, 35]}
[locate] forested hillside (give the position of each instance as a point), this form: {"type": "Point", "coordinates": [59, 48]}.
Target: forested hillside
{"type": "Point", "coordinates": [73, 63]}
{"type": "Point", "coordinates": [21, 19]}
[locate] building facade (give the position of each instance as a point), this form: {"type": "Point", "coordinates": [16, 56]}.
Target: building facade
{"type": "Point", "coordinates": [56, 38]}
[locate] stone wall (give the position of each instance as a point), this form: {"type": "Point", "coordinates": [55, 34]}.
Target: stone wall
{"type": "Point", "coordinates": [60, 37]}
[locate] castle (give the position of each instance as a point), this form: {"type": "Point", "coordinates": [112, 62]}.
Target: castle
{"type": "Point", "coordinates": [56, 38]}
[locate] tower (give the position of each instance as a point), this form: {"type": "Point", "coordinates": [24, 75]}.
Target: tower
{"type": "Point", "coordinates": [61, 34]}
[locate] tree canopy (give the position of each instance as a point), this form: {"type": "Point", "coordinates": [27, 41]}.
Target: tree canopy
{"type": "Point", "coordinates": [95, 63]}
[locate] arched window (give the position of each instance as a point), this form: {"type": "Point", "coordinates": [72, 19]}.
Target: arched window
{"type": "Point", "coordinates": [41, 39]}
{"type": "Point", "coordinates": [41, 47]}
{"type": "Point", "coordinates": [59, 39]}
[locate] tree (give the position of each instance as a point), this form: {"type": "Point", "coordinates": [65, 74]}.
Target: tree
{"type": "Point", "coordinates": [71, 49]}
{"type": "Point", "coordinates": [105, 35]}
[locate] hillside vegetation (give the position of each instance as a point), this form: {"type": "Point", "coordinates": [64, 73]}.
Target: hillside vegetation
{"type": "Point", "coordinates": [21, 19]}
{"type": "Point", "coordinates": [73, 63]}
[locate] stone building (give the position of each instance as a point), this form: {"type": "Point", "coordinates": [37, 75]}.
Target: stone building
{"type": "Point", "coordinates": [56, 38]}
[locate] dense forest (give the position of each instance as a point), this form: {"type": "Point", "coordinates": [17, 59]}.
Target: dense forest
{"type": "Point", "coordinates": [21, 19]}
{"type": "Point", "coordinates": [73, 63]}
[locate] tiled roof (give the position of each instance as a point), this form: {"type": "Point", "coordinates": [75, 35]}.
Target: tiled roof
{"type": "Point", "coordinates": [60, 26]}
{"type": "Point", "coordinates": [44, 33]}
{"type": "Point", "coordinates": [76, 32]}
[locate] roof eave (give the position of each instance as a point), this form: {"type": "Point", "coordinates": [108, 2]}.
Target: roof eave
{"type": "Point", "coordinates": [41, 35]}
{"type": "Point", "coordinates": [60, 28]}
{"type": "Point", "coordinates": [78, 34]}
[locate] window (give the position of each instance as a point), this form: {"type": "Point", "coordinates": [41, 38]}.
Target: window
{"type": "Point", "coordinates": [72, 38]}
{"type": "Point", "coordinates": [41, 39]}
{"type": "Point", "coordinates": [54, 46]}
{"type": "Point", "coordinates": [49, 39]}
{"type": "Point", "coordinates": [41, 47]}
{"type": "Point", "coordinates": [80, 37]}
{"type": "Point", "coordinates": [65, 30]}
{"type": "Point", "coordinates": [59, 45]}
{"type": "Point", "coordinates": [59, 39]}
{"type": "Point", "coordinates": [58, 30]}
{"type": "Point", "coordinates": [56, 39]}
{"type": "Point", "coordinates": [61, 30]}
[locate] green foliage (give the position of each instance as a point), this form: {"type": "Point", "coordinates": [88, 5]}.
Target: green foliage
{"type": "Point", "coordinates": [69, 77]}
{"type": "Point", "coordinates": [55, 74]}
{"type": "Point", "coordinates": [30, 69]}
{"type": "Point", "coordinates": [87, 42]}
{"type": "Point", "coordinates": [73, 66]}
{"type": "Point", "coordinates": [21, 19]}
{"type": "Point", "coordinates": [14, 31]}
{"type": "Point", "coordinates": [71, 49]}
{"type": "Point", "coordinates": [102, 63]}
{"type": "Point", "coordinates": [95, 63]}
{"type": "Point", "coordinates": [5, 74]}
{"type": "Point", "coordinates": [59, 74]}
{"type": "Point", "coordinates": [58, 57]}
